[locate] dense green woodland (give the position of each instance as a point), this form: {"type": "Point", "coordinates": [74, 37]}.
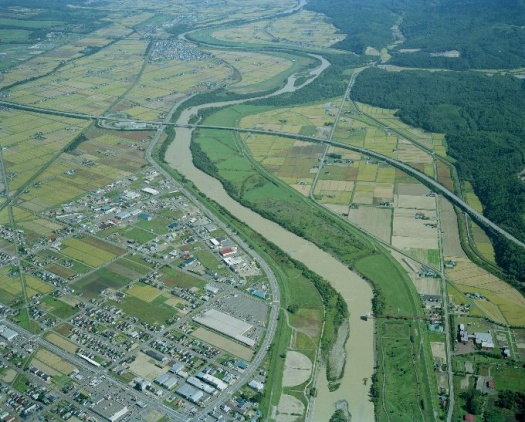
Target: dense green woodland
{"type": "Point", "coordinates": [484, 119]}
{"type": "Point", "coordinates": [487, 33]}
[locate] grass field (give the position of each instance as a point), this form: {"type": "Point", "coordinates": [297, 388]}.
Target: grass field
{"type": "Point", "coordinates": [92, 284]}
{"type": "Point", "coordinates": [59, 308]}
{"type": "Point", "coordinates": [176, 278]}
{"type": "Point", "coordinates": [153, 312]}
{"type": "Point", "coordinates": [86, 253]}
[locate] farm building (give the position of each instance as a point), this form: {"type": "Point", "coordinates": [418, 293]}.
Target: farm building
{"type": "Point", "coordinates": [188, 262]}
{"type": "Point", "coordinates": [485, 340]}
{"type": "Point", "coordinates": [228, 252]}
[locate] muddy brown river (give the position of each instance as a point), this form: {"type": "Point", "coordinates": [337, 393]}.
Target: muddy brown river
{"type": "Point", "coordinates": [355, 291]}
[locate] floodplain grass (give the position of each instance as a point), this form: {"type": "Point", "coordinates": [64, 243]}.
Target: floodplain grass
{"type": "Point", "coordinates": [406, 394]}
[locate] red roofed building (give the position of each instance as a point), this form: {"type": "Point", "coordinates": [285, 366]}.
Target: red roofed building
{"type": "Point", "coordinates": [227, 252]}
{"type": "Point", "coordinates": [469, 418]}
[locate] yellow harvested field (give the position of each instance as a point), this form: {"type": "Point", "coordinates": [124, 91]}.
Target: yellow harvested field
{"type": "Point", "coordinates": [409, 233]}
{"type": "Point", "coordinates": [335, 185]}
{"type": "Point", "coordinates": [173, 301]}
{"type": "Point", "coordinates": [376, 221]}
{"type": "Point", "coordinates": [253, 67]}
{"type": "Point", "coordinates": [62, 342]}
{"type": "Point", "coordinates": [363, 198]}
{"type": "Point", "coordinates": [146, 293]}
{"type": "Point", "coordinates": [504, 302]}
{"type": "Point", "coordinates": [305, 28]}
{"type": "Point", "coordinates": [303, 188]}
{"type": "Point", "coordinates": [409, 153]}
{"type": "Point", "coordinates": [85, 252]}
{"type": "Point", "coordinates": [367, 172]}
{"type": "Point", "coordinates": [54, 361]}
{"type": "Point", "coordinates": [38, 285]}
{"type": "Point", "coordinates": [292, 119]}
{"type": "Point", "coordinates": [10, 284]}
{"type": "Point", "coordinates": [223, 343]}
{"type": "Point", "coordinates": [424, 203]}
{"type": "Point", "coordinates": [450, 232]}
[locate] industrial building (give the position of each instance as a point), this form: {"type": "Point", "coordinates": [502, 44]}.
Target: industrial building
{"type": "Point", "coordinates": [190, 393]}
{"type": "Point", "coordinates": [214, 381]}
{"type": "Point", "coordinates": [110, 410]}
{"type": "Point", "coordinates": [7, 333]}
{"type": "Point", "coordinates": [201, 385]}
{"type": "Point", "coordinates": [226, 324]}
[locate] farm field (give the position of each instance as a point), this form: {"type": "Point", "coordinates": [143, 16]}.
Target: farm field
{"type": "Point", "coordinates": [304, 29]}
{"type": "Point", "coordinates": [92, 284]}
{"type": "Point", "coordinates": [48, 361]}
{"type": "Point", "coordinates": [503, 304]}
{"type": "Point", "coordinates": [254, 72]}
{"type": "Point", "coordinates": [152, 310]}
{"type": "Point", "coordinates": [31, 141]}
{"type": "Point", "coordinates": [375, 196]}
{"type": "Point", "coordinates": [312, 120]}
{"type": "Point", "coordinates": [87, 85]}
{"type": "Point", "coordinates": [84, 251]}
{"type": "Point", "coordinates": [100, 160]}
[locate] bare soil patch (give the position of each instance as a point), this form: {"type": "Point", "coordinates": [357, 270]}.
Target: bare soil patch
{"type": "Point", "coordinates": [297, 369]}
{"type": "Point", "coordinates": [450, 232]}
{"type": "Point", "coordinates": [144, 368]}
{"type": "Point", "coordinates": [374, 220]}
{"type": "Point", "coordinates": [54, 361]}
{"type": "Point", "coordinates": [438, 350]}
{"type": "Point", "coordinates": [290, 409]}
{"type": "Point", "coordinates": [223, 343]}
{"type": "Point", "coordinates": [62, 343]}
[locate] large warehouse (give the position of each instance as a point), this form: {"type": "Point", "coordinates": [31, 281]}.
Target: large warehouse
{"type": "Point", "coordinates": [226, 324]}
